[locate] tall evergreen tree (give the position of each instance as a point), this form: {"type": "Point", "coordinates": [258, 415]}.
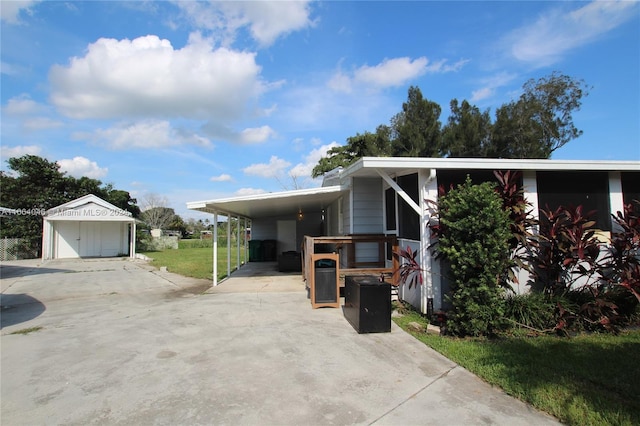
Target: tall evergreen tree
{"type": "Point", "coordinates": [416, 130]}
{"type": "Point", "coordinates": [467, 132]}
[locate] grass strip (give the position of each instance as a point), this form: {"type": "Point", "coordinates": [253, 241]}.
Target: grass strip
{"type": "Point", "coordinates": [590, 379]}
{"type": "Point", "coordinates": [195, 262]}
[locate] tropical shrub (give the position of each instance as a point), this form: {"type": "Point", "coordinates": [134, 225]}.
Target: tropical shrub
{"type": "Point", "coordinates": [475, 242]}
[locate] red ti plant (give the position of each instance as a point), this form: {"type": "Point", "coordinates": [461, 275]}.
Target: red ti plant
{"type": "Point", "coordinates": [409, 271]}
{"type": "Point", "coordinates": [522, 222]}
{"type": "Point", "coordinates": [566, 246]}
{"type": "Point", "coordinates": [621, 266]}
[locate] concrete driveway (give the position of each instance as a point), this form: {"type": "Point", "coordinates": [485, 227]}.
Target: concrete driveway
{"type": "Point", "coordinates": [123, 344]}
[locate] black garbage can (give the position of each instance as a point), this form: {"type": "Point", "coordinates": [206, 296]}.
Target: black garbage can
{"type": "Point", "coordinates": [367, 304]}
{"type": "Point", "coordinates": [255, 251]}
{"type": "Point", "coordinates": [269, 253]}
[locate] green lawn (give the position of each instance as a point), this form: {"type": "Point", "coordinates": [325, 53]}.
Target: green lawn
{"type": "Point", "coordinates": [194, 261]}
{"type": "Point", "coordinates": [585, 380]}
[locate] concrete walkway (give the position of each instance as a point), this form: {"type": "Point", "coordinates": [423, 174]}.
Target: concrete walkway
{"type": "Point", "coordinates": [121, 343]}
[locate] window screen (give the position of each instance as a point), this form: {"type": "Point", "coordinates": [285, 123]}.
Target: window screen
{"type": "Point", "coordinates": [589, 189]}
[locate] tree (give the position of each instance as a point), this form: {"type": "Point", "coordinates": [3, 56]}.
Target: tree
{"type": "Point", "coordinates": [155, 212]}
{"type": "Point", "coordinates": [467, 132]}
{"type": "Point", "coordinates": [123, 200]}
{"type": "Point", "coordinates": [417, 128]}
{"type": "Point", "coordinates": [361, 145]}
{"type": "Point", "coordinates": [540, 121]}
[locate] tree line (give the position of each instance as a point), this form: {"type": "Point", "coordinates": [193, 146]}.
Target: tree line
{"type": "Point", "coordinates": [534, 126]}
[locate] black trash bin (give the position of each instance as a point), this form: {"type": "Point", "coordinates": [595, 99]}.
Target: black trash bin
{"type": "Point", "coordinates": [269, 253]}
{"type": "Point", "coordinates": [255, 251]}
{"type": "Point", "coordinates": [367, 304]}
{"type": "Point", "coordinates": [324, 290]}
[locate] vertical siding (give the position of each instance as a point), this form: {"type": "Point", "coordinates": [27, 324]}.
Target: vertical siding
{"type": "Point", "coordinates": [367, 206]}
{"type": "Point", "coordinates": [368, 215]}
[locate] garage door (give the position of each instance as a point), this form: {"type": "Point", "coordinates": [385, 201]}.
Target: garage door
{"type": "Point", "coordinates": [88, 239]}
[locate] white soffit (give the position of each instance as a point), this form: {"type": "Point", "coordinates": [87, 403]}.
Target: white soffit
{"type": "Point", "coordinates": [272, 204]}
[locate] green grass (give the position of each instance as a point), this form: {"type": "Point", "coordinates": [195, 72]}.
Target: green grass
{"type": "Point", "coordinates": [194, 262]}
{"type": "Point", "coordinates": [591, 379]}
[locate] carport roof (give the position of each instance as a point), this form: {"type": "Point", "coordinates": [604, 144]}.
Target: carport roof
{"type": "Point", "coordinates": [272, 204]}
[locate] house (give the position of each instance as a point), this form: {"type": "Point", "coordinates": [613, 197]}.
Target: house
{"type": "Point", "coordinates": [390, 196]}
{"type": "Point", "coordinates": [87, 227]}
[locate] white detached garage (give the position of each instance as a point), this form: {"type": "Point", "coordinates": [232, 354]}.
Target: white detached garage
{"type": "Point", "coordinates": [88, 227]}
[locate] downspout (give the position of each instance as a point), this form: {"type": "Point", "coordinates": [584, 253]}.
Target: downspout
{"type": "Point", "coordinates": [425, 241]}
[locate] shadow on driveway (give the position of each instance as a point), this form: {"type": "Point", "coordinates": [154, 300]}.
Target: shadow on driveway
{"type": "Point", "coordinates": [16, 271]}
{"type": "Point", "coordinates": [17, 308]}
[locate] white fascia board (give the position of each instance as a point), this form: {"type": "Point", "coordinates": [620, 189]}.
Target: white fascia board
{"type": "Point", "coordinates": [268, 196]}
{"type": "Point", "coordinates": [488, 164]}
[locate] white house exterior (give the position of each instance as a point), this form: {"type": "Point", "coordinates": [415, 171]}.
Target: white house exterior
{"type": "Point", "coordinates": [378, 195]}
{"type": "Point", "coordinates": [87, 227]}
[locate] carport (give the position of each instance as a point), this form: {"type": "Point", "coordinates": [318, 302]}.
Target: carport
{"type": "Point", "coordinates": [283, 217]}
{"type": "Point", "coordinates": [87, 227]}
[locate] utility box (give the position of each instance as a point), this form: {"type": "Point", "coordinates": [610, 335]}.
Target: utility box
{"type": "Point", "coordinates": [367, 304]}
{"type": "Point", "coordinates": [325, 281]}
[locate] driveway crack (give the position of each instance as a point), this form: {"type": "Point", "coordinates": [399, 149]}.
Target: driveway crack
{"type": "Point", "coordinates": [413, 395]}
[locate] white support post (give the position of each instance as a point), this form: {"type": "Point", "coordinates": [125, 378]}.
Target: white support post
{"type": "Point", "coordinates": [428, 191]}
{"type": "Point", "coordinates": [244, 230]}
{"type": "Point", "coordinates": [616, 198]}
{"type": "Point", "coordinates": [238, 243]}
{"type": "Point", "coordinates": [228, 246]}
{"type": "Point", "coordinates": [132, 247]}
{"type": "Point", "coordinates": [215, 249]}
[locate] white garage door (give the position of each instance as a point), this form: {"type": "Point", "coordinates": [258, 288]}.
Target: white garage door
{"type": "Point", "coordinates": [88, 239]}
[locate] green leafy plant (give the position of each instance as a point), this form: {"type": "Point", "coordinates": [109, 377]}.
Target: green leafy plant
{"type": "Point", "coordinates": [475, 243]}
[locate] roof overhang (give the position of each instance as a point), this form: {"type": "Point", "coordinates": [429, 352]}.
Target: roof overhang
{"type": "Point", "coordinates": [272, 204]}
{"type": "Point", "coordinates": [368, 166]}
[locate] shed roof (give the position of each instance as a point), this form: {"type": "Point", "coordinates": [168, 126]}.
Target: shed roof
{"type": "Point", "coordinates": [88, 208]}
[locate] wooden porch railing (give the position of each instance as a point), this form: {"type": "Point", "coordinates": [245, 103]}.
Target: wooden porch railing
{"type": "Point", "coordinates": [348, 264]}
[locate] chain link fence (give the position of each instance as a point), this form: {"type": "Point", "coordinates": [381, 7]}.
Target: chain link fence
{"type": "Point", "coordinates": [18, 248]}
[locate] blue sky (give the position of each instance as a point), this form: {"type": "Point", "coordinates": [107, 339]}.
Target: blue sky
{"type": "Point", "coordinates": [200, 100]}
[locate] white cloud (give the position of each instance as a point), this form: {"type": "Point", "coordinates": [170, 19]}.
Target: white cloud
{"type": "Point", "coordinates": [249, 191]}
{"type": "Point", "coordinates": [10, 10]}
{"type": "Point", "coordinates": [305, 168]}
{"type": "Point", "coordinates": [275, 168]}
{"type": "Point", "coordinates": [390, 73]}
{"type": "Point", "coordinates": [482, 93]}
{"type": "Point", "coordinates": [143, 134]}
{"type": "Point", "coordinates": [556, 32]}
{"type": "Point", "coordinates": [221, 178]}
{"type": "Point", "coordinates": [42, 123]}
{"type": "Point", "coordinates": [490, 84]}
{"type": "Point", "coordinates": [81, 166]}
{"type": "Point", "coordinates": [256, 135]}
{"type": "Point", "coordinates": [147, 77]}
{"type": "Point", "coordinates": [19, 151]}
{"type": "Point", "coordinates": [23, 105]}
{"type": "Point", "coordinates": [266, 21]}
